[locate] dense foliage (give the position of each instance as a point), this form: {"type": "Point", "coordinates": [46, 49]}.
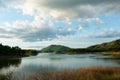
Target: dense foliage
{"type": "Point", "coordinates": [15, 51]}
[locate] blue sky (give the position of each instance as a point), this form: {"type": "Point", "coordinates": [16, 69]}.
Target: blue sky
{"type": "Point", "coordinates": [74, 23]}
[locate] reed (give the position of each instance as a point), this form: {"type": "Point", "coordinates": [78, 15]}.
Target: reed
{"type": "Point", "coordinates": [88, 73]}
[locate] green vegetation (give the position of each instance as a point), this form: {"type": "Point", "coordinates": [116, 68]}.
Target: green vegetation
{"type": "Point", "coordinates": [30, 52]}
{"type": "Point", "coordinates": [3, 77]}
{"type": "Point", "coordinates": [8, 76]}
{"type": "Point", "coordinates": [6, 51]}
{"type": "Point", "coordinates": [56, 49]}
{"type": "Point", "coordinates": [110, 46]}
{"type": "Point", "coordinates": [90, 73]}
{"type": "Point", "coordinates": [113, 46]}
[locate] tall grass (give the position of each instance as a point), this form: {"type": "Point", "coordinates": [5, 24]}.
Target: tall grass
{"type": "Point", "coordinates": [89, 73]}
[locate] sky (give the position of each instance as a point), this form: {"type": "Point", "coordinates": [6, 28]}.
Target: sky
{"type": "Point", "coordinates": [36, 24]}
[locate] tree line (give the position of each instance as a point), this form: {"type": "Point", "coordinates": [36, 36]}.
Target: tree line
{"type": "Point", "coordinates": [6, 50]}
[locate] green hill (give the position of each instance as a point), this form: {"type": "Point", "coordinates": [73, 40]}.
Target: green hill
{"type": "Point", "coordinates": [113, 46]}
{"type": "Point", "coordinates": [55, 48]}
{"type": "Point", "coordinates": [108, 46]}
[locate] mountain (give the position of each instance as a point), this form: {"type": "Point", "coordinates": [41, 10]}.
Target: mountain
{"type": "Point", "coordinates": [108, 46]}
{"type": "Point", "coordinates": [55, 48]}
{"type": "Point", "coordinates": [113, 46]}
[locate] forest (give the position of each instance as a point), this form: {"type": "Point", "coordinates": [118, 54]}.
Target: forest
{"type": "Point", "coordinates": [6, 50]}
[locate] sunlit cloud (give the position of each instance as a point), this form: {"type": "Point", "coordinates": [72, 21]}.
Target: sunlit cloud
{"type": "Point", "coordinates": [34, 31]}
{"type": "Point", "coordinates": [106, 34]}
{"type": "Point", "coordinates": [53, 19]}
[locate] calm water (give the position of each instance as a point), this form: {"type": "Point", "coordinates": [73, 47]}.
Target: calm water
{"type": "Point", "coordinates": [50, 61]}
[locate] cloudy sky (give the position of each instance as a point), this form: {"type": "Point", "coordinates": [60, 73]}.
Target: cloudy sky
{"type": "Point", "coordinates": [74, 23]}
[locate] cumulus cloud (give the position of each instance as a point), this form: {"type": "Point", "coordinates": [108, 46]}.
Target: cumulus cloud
{"type": "Point", "coordinates": [47, 13]}
{"type": "Point", "coordinates": [109, 34]}
{"type": "Point", "coordinates": [106, 34]}
{"type": "Point", "coordinates": [10, 3]}
{"type": "Point", "coordinates": [59, 9]}
{"type": "Point", "coordinates": [76, 8]}
{"type": "Point", "coordinates": [34, 31]}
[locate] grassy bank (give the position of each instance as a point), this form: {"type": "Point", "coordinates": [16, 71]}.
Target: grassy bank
{"type": "Point", "coordinates": [105, 53]}
{"type": "Point", "coordinates": [110, 53]}
{"type": "Point", "coordinates": [89, 73]}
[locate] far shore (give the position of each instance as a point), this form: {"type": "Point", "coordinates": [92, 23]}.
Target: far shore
{"type": "Point", "coordinates": [70, 53]}
{"type": "Point", "coordinates": [109, 53]}
{"type": "Point", "coordinates": [105, 53]}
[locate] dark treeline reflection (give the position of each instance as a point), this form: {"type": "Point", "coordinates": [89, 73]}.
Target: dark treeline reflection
{"type": "Point", "coordinates": [4, 63]}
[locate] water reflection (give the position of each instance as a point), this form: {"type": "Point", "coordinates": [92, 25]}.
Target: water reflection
{"type": "Point", "coordinates": [50, 61]}
{"type": "Point", "coordinates": [112, 59]}
{"type": "Point", "coordinates": [6, 63]}
{"type": "Point", "coordinates": [61, 61]}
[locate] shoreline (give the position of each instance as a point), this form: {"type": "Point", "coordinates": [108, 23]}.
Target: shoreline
{"type": "Point", "coordinates": [110, 53]}
{"type": "Point", "coordinates": [104, 53]}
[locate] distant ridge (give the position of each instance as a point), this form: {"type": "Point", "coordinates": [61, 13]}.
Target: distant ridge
{"type": "Point", "coordinates": [113, 46]}
{"type": "Point", "coordinates": [108, 46]}
{"type": "Point", "coordinates": [55, 48]}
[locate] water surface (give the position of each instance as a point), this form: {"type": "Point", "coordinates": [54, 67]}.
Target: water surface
{"type": "Point", "coordinates": [51, 61]}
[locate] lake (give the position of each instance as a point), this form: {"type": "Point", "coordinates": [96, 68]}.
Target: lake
{"type": "Point", "coordinates": [51, 61]}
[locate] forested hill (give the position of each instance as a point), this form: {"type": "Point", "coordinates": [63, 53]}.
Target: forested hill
{"type": "Point", "coordinates": [6, 50]}
{"type": "Point", "coordinates": [56, 48]}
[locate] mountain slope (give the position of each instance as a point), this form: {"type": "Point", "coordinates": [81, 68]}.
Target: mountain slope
{"type": "Point", "coordinates": [113, 46]}
{"type": "Point", "coordinates": [55, 48]}
{"type": "Point", "coordinates": [109, 46]}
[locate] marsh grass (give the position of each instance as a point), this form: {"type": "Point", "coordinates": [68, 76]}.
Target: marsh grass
{"type": "Point", "coordinates": [88, 73]}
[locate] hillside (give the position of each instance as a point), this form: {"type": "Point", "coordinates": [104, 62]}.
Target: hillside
{"type": "Point", "coordinates": [55, 48]}
{"type": "Point", "coordinates": [113, 46]}
{"type": "Point", "coordinates": [109, 46]}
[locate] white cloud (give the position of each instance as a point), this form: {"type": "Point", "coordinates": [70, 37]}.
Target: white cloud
{"type": "Point", "coordinates": [62, 9]}
{"type": "Point", "coordinates": [48, 12]}
{"type": "Point", "coordinates": [79, 27]}
{"type": "Point", "coordinates": [105, 34]}
{"type": "Point", "coordinates": [34, 31]}
{"type": "Point", "coordinates": [96, 20]}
